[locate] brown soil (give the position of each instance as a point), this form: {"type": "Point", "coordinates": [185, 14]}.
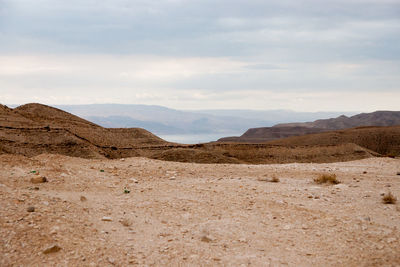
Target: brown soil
{"type": "Point", "coordinates": [186, 214]}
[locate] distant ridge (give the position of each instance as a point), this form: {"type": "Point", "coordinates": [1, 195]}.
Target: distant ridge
{"type": "Point", "coordinates": [265, 134]}
{"type": "Point", "coordinates": [377, 118]}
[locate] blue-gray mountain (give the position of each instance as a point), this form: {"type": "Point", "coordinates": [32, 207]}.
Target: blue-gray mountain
{"type": "Point", "coordinates": [161, 120]}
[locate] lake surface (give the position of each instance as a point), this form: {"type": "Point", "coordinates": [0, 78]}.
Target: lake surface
{"type": "Point", "coordinates": [195, 138]}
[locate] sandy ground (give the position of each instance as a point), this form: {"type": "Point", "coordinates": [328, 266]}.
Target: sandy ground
{"type": "Point", "coordinates": [185, 214]}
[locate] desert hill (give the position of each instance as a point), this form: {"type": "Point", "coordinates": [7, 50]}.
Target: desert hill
{"type": "Point", "coordinates": [265, 134]}
{"type": "Point", "coordinates": [34, 129]}
{"type": "Point", "coordinates": [377, 118]}
{"type": "Point", "coordinates": [382, 140]}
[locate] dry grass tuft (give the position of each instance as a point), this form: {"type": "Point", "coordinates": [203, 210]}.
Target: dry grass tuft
{"type": "Point", "coordinates": [327, 178]}
{"type": "Point", "coordinates": [389, 198]}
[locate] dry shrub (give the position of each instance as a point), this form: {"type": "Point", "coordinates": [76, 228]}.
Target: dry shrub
{"type": "Point", "coordinates": [389, 198]}
{"type": "Point", "coordinates": [327, 178]}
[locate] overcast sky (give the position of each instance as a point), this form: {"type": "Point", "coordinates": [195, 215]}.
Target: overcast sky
{"type": "Point", "coordinates": [304, 55]}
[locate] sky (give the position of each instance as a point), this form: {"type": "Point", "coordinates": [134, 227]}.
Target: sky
{"type": "Point", "coordinates": [302, 55]}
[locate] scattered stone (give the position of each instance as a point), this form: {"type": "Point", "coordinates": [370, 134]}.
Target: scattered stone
{"type": "Point", "coordinates": [126, 222]}
{"type": "Point", "coordinates": [38, 180]}
{"type": "Point", "coordinates": [30, 209]}
{"type": "Point", "coordinates": [287, 227]}
{"type": "Point", "coordinates": [398, 173]}
{"type": "Point", "coordinates": [364, 172]}
{"type": "Point", "coordinates": [52, 249]}
{"type": "Point", "coordinates": [206, 239]}
{"type": "Point", "coordinates": [54, 230]}
{"type": "Point", "coordinates": [106, 219]}
{"type": "Point", "coordinates": [134, 180]}
{"type": "Point", "coordinates": [391, 240]}
{"type": "Point", "coordinates": [111, 260]}
{"type": "Point", "coordinates": [340, 186]}
{"type": "Point", "coordinates": [368, 219]}
{"type": "Point", "coordinates": [83, 198]}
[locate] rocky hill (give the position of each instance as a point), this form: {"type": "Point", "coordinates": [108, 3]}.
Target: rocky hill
{"type": "Point", "coordinates": [34, 128]}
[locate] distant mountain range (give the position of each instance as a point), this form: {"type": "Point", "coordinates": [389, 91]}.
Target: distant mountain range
{"type": "Point", "coordinates": [264, 134]}
{"type": "Point", "coordinates": [165, 121]}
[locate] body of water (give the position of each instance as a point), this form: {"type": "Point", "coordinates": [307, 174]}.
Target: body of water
{"type": "Point", "coordinates": [195, 138]}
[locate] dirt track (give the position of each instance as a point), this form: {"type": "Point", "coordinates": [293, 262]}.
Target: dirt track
{"type": "Point", "coordinates": [186, 214]}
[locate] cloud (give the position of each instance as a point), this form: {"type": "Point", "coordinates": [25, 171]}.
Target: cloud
{"type": "Point", "coordinates": [122, 50]}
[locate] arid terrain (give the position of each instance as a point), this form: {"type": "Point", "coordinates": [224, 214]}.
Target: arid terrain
{"type": "Point", "coordinates": [144, 212]}
{"type": "Point", "coordinates": [73, 193]}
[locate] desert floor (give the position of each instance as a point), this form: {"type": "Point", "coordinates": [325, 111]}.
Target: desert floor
{"type": "Point", "coordinates": [185, 214]}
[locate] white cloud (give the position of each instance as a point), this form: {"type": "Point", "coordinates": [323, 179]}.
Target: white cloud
{"type": "Point", "coordinates": [209, 54]}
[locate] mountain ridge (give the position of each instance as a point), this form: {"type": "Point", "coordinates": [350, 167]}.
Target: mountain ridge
{"type": "Point", "coordinates": [283, 130]}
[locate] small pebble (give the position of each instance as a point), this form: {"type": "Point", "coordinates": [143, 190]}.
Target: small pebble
{"type": "Point", "coordinates": [52, 249]}
{"type": "Point", "coordinates": [31, 209]}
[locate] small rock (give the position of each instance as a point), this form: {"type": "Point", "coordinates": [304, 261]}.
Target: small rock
{"type": "Point", "coordinates": [54, 230]}
{"type": "Point", "coordinates": [30, 209]}
{"type": "Point", "coordinates": [83, 198]}
{"type": "Point", "coordinates": [287, 227]}
{"type": "Point", "coordinates": [340, 186]}
{"type": "Point", "coordinates": [126, 222]}
{"type": "Point", "coordinates": [391, 240]}
{"type": "Point", "coordinates": [52, 249]}
{"type": "Point", "coordinates": [38, 180]}
{"type": "Point", "coordinates": [388, 185]}
{"type": "Point", "coordinates": [106, 219]}
{"type": "Point", "coordinates": [206, 239]}
{"type": "Point", "coordinates": [134, 180]}
{"type": "Point", "coordinates": [398, 173]}
{"type": "Point", "coordinates": [111, 260]}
